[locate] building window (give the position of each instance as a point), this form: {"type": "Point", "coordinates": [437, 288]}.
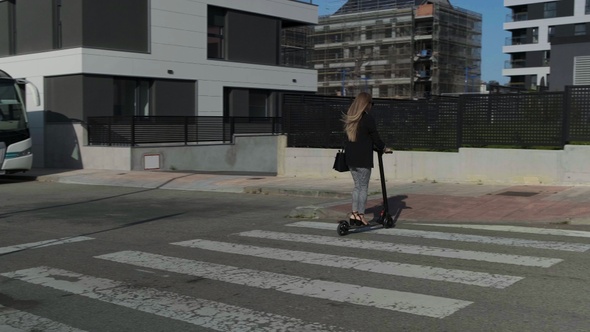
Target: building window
{"type": "Point", "coordinates": [550, 33]}
{"type": "Point", "coordinates": [216, 33]}
{"type": "Point", "coordinates": [369, 33]}
{"type": "Point", "coordinates": [550, 9]}
{"type": "Point", "coordinates": [258, 104]}
{"type": "Point", "coordinates": [587, 7]}
{"type": "Point", "coordinates": [131, 97]}
{"type": "Point", "coordinates": [7, 29]}
{"type": "Point", "coordinates": [249, 103]}
{"type": "Point", "coordinates": [580, 29]}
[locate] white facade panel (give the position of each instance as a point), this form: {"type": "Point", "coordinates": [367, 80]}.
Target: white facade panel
{"type": "Point", "coordinates": [293, 10]}
{"type": "Point", "coordinates": [186, 7]}
{"type": "Point", "coordinates": [539, 71]}
{"type": "Point", "coordinates": [52, 63]}
{"type": "Point", "coordinates": [181, 21]}
{"type": "Point", "coordinates": [174, 37]}
{"type": "Point", "coordinates": [526, 48]}
{"type": "Point", "coordinates": [510, 3]}
{"type": "Point", "coordinates": [580, 8]}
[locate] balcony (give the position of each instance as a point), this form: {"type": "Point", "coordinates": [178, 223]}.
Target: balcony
{"type": "Point", "coordinates": [426, 53]}
{"type": "Point", "coordinates": [423, 74]}
{"type": "Point", "coordinates": [521, 40]}
{"type": "Point", "coordinates": [513, 64]}
{"type": "Point", "coordinates": [423, 31]}
{"type": "Point", "coordinates": [516, 17]}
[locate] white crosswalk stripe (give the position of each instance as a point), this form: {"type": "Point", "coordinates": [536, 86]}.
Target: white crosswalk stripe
{"type": "Point", "coordinates": [12, 320]}
{"type": "Point", "coordinates": [227, 317]}
{"type": "Point", "coordinates": [208, 314]}
{"type": "Point", "coordinates": [406, 248]}
{"type": "Point", "coordinates": [418, 304]}
{"type": "Point", "coordinates": [370, 265]}
{"type": "Point", "coordinates": [516, 229]}
{"type": "Point", "coordinates": [552, 245]}
{"type": "Point", "coordinates": [42, 244]}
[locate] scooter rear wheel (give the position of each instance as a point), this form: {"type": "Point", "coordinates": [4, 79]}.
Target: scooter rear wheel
{"type": "Point", "coordinates": [388, 222]}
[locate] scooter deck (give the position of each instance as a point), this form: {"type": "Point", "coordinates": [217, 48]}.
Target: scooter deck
{"type": "Point", "coordinates": [345, 227]}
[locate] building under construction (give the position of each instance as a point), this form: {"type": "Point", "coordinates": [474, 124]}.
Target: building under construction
{"type": "Point", "coordinates": [405, 49]}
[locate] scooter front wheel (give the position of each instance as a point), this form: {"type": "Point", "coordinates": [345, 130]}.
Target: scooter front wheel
{"type": "Point", "coordinates": [342, 228]}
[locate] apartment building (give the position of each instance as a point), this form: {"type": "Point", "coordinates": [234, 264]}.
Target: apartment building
{"type": "Point", "coordinates": [404, 49]}
{"type": "Point", "coordinates": [149, 58]}
{"type": "Point", "coordinates": [549, 46]}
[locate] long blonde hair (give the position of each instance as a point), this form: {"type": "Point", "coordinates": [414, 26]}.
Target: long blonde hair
{"type": "Point", "coordinates": [351, 119]}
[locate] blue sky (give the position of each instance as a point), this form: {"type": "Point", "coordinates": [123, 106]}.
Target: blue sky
{"type": "Point", "coordinates": [493, 17]}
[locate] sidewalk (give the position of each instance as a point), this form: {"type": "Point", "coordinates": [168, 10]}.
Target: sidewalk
{"type": "Point", "coordinates": [410, 202]}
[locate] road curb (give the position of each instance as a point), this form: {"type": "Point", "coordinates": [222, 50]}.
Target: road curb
{"type": "Point", "coordinates": [295, 192]}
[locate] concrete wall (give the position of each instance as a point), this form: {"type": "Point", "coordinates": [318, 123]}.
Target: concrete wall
{"type": "Point", "coordinates": [568, 166]}
{"type": "Point", "coordinates": [249, 154]}
{"type": "Point", "coordinates": [68, 149]}
{"type": "Point", "coordinates": [268, 154]}
{"type": "Point", "coordinates": [258, 154]}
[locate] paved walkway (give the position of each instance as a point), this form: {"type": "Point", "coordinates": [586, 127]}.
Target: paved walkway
{"type": "Point", "coordinates": [416, 201]}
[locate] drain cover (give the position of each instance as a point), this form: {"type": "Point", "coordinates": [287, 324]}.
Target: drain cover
{"type": "Point", "coordinates": [518, 193]}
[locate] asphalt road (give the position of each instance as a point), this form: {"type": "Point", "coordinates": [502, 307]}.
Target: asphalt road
{"type": "Point", "coordinates": [98, 258]}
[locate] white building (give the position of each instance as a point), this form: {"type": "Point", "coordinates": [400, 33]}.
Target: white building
{"type": "Point", "coordinates": [149, 58]}
{"type": "Point", "coordinates": [550, 43]}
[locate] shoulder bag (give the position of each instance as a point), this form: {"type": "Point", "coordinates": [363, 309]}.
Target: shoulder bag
{"type": "Point", "coordinates": [340, 161]}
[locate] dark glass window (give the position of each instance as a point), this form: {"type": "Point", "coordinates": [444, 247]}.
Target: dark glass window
{"type": "Point", "coordinates": [7, 28]}
{"type": "Point", "coordinates": [258, 104]}
{"type": "Point", "coordinates": [550, 9]}
{"type": "Point", "coordinates": [250, 102]}
{"type": "Point", "coordinates": [55, 24]}
{"type": "Point", "coordinates": [131, 97]}
{"type": "Point", "coordinates": [580, 29]}
{"type": "Point", "coordinates": [216, 33]}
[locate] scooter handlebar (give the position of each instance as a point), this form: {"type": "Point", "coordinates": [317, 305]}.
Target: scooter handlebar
{"type": "Point", "coordinates": [384, 151]}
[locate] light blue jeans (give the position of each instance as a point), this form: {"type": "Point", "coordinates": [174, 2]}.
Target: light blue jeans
{"type": "Point", "coordinates": [361, 177]}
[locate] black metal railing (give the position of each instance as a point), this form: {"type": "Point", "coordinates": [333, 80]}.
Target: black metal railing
{"type": "Point", "coordinates": [135, 130]}
{"type": "Point", "coordinates": [523, 120]}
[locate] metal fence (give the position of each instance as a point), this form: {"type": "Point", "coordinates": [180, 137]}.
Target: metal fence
{"type": "Point", "coordinates": [134, 130]}
{"type": "Point", "coordinates": [515, 120]}
{"type": "Point", "coordinates": [523, 120]}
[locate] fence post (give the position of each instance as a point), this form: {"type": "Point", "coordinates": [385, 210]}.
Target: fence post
{"type": "Point", "coordinates": [565, 135]}
{"type": "Point", "coordinates": [460, 110]}
{"type": "Point", "coordinates": [232, 128]}
{"type": "Point", "coordinates": [186, 130]}
{"type": "Point", "coordinates": [132, 130]}
{"type": "Point", "coordinates": [110, 129]}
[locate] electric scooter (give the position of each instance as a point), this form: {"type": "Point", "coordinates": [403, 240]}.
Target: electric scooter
{"type": "Point", "coordinates": [385, 219]}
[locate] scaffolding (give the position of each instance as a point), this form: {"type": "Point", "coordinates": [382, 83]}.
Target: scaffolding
{"type": "Point", "coordinates": [404, 49]}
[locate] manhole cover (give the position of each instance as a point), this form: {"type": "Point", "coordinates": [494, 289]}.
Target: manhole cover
{"type": "Point", "coordinates": [518, 193]}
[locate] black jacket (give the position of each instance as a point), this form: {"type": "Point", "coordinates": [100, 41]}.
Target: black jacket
{"type": "Point", "coordinates": [360, 152]}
